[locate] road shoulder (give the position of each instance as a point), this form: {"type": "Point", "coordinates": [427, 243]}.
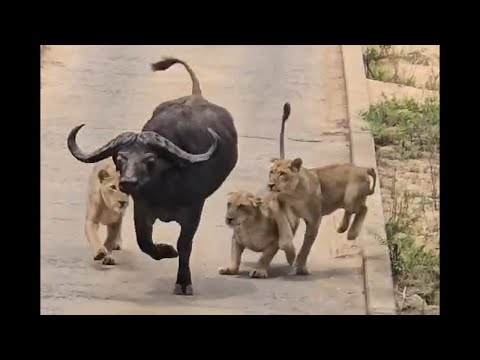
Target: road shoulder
{"type": "Point", "coordinates": [376, 260]}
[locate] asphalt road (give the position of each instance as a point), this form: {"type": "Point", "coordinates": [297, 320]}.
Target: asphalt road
{"type": "Point", "coordinates": [111, 89]}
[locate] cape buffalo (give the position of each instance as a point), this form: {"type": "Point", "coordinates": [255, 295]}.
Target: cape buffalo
{"type": "Point", "coordinates": [182, 156]}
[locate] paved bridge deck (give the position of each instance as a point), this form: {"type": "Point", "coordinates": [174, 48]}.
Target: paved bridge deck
{"type": "Point", "coordinates": [111, 89]}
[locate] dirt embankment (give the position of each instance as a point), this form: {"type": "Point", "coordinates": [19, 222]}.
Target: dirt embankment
{"type": "Point", "coordinates": [404, 83]}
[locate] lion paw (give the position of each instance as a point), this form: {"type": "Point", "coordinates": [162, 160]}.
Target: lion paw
{"type": "Point", "coordinates": [227, 271]}
{"type": "Point", "coordinates": [302, 270]}
{"type": "Point", "coordinates": [180, 289]}
{"type": "Point", "coordinates": [290, 256]}
{"type": "Point", "coordinates": [117, 247]}
{"type": "Point", "coordinates": [352, 235]}
{"type": "Point", "coordinates": [108, 260]}
{"type": "Point", "coordinates": [258, 273]}
{"type": "Point", "coordinates": [100, 254]}
{"type": "Point", "coordinates": [162, 251]}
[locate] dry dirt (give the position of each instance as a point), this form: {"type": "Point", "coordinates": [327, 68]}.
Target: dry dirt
{"type": "Point", "coordinates": [420, 177]}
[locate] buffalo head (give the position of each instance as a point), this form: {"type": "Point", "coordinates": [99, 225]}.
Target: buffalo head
{"type": "Point", "coordinates": [138, 156]}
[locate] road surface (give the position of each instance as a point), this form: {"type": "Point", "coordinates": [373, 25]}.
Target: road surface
{"type": "Point", "coordinates": [112, 89]}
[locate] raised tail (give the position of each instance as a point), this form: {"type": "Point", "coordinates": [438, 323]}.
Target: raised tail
{"type": "Point", "coordinates": [169, 61]}
{"type": "Point", "coordinates": [371, 172]}
{"type": "Point", "coordinates": [286, 114]}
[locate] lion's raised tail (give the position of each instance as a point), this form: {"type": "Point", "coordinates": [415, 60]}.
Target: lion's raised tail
{"type": "Point", "coordinates": [169, 61]}
{"type": "Point", "coordinates": [286, 114]}
{"type": "Point", "coordinates": [372, 173]}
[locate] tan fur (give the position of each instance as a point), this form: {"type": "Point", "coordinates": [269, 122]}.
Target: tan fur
{"type": "Point", "coordinates": [255, 227]}
{"type": "Point", "coordinates": [104, 207]}
{"type": "Point", "coordinates": [312, 193]}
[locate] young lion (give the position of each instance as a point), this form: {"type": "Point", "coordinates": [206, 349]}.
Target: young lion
{"type": "Point", "coordinates": [313, 193]}
{"type": "Point", "coordinates": [106, 205]}
{"type": "Point", "coordinates": [260, 224]}
{"type": "Point", "coordinates": [255, 228]}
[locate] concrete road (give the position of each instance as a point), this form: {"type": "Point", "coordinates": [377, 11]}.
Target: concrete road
{"type": "Point", "coordinates": [111, 89]}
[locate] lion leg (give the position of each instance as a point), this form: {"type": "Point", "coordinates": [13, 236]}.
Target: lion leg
{"type": "Point", "coordinates": [355, 203]}
{"type": "Point", "coordinates": [113, 233]}
{"type": "Point", "coordinates": [357, 223]}
{"type": "Point", "coordinates": [290, 255]}
{"type": "Point", "coordinates": [284, 229]}
{"type": "Point", "coordinates": [260, 271]}
{"type": "Point", "coordinates": [235, 259]}
{"type": "Point", "coordinates": [91, 231]}
{"type": "Point", "coordinates": [345, 222]}
{"type": "Point", "coordinates": [308, 240]}
{"type": "Point", "coordinates": [118, 241]}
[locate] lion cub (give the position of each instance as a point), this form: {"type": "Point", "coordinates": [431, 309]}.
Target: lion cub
{"type": "Point", "coordinates": [254, 227]}
{"type": "Point", "coordinates": [106, 205]}
{"type": "Point", "coordinates": [313, 193]}
{"type": "Point", "coordinates": [260, 223]}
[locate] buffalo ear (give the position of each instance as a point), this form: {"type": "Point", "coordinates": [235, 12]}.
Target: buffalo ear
{"type": "Point", "coordinates": [103, 175]}
{"type": "Point", "coordinates": [296, 164]}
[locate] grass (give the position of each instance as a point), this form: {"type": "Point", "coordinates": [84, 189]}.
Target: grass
{"type": "Point", "coordinates": [413, 127]}
{"type": "Point", "coordinates": [382, 63]}
{"type": "Point", "coordinates": [413, 266]}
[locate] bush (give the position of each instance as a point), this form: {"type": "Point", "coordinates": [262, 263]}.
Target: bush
{"type": "Point", "coordinates": [411, 125]}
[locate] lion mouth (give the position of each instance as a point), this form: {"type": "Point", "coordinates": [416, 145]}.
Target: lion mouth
{"type": "Point", "coordinates": [232, 222]}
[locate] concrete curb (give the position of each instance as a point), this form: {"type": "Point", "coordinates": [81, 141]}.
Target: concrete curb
{"type": "Point", "coordinates": [376, 259]}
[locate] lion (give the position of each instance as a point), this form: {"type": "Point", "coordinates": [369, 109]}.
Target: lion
{"type": "Point", "coordinates": [106, 205]}
{"type": "Point", "coordinates": [260, 224]}
{"type": "Point", "coordinates": [313, 193]}
{"type": "Point", "coordinates": [255, 227]}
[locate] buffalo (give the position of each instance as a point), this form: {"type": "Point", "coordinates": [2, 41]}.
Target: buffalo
{"type": "Point", "coordinates": [182, 155]}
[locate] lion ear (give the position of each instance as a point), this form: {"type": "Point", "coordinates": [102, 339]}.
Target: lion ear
{"type": "Point", "coordinates": [103, 175]}
{"type": "Point", "coordinates": [296, 164]}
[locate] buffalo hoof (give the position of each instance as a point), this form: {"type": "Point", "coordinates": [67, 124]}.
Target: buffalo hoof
{"type": "Point", "coordinates": [162, 251]}
{"type": "Point", "coordinates": [108, 260]}
{"type": "Point", "coordinates": [100, 254]}
{"type": "Point", "coordinates": [183, 289]}
{"type": "Point", "coordinates": [117, 247]}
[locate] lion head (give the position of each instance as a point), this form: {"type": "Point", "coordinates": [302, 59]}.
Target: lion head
{"type": "Point", "coordinates": [111, 195]}
{"type": "Point", "coordinates": [241, 206]}
{"type": "Point", "coordinates": [284, 174]}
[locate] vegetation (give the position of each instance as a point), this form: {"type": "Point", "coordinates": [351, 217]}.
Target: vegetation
{"type": "Point", "coordinates": [412, 126]}
{"type": "Point", "coordinates": [411, 129]}
{"type": "Point", "coordinates": [383, 63]}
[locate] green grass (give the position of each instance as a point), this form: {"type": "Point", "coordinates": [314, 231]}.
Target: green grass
{"type": "Point", "coordinates": [413, 266]}
{"type": "Point", "coordinates": [413, 127]}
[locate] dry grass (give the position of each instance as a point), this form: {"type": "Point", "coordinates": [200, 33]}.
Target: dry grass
{"type": "Point", "coordinates": [395, 64]}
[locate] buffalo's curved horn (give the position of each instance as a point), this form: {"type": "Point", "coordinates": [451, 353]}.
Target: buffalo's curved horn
{"type": "Point", "coordinates": [157, 141]}
{"type": "Point", "coordinates": [105, 151]}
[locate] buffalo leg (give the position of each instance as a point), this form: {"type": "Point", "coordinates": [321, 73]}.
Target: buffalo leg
{"type": "Point", "coordinates": [189, 224]}
{"type": "Point", "coordinates": [143, 229]}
